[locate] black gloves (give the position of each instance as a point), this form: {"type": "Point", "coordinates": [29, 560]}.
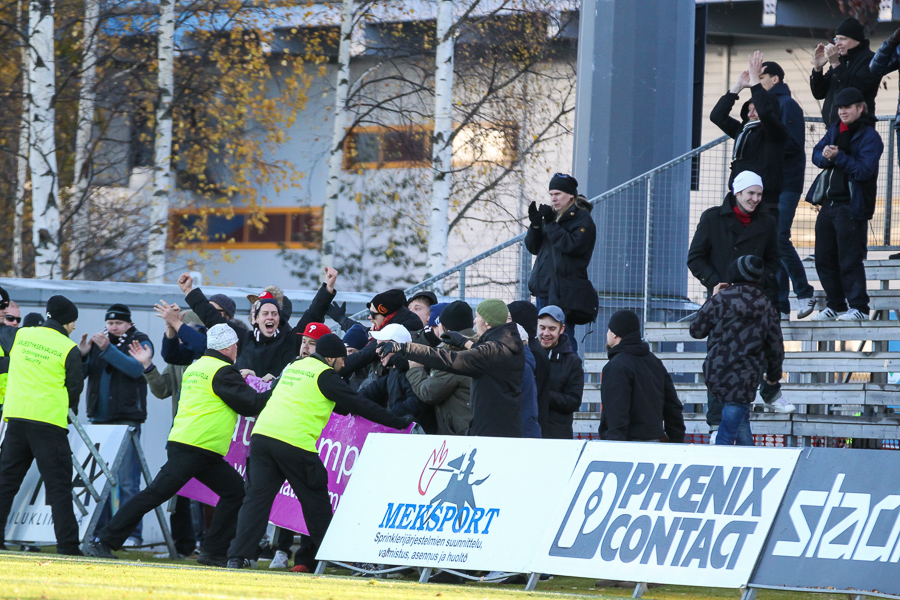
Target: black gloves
{"type": "Point", "coordinates": [399, 363]}
{"type": "Point", "coordinates": [385, 348]}
{"type": "Point", "coordinates": [337, 312]}
{"type": "Point", "coordinates": [454, 338]}
{"type": "Point", "coordinates": [548, 213]}
{"type": "Point", "coordinates": [534, 215]}
{"type": "Point", "coordinates": [4, 299]}
{"type": "Point", "coordinates": [895, 38]}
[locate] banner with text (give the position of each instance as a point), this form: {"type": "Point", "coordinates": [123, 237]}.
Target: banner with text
{"type": "Point", "coordinates": [449, 502]}
{"type": "Point", "coordinates": [839, 525]}
{"type": "Point", "coordinates": [665, 513]}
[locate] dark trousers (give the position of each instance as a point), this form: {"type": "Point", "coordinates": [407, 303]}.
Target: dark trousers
{"type": "Point", "coordinates": [271, 462]}
{"type": "Point", "coordinates": [791, 265]}
{"type": "Point", "coordinates": [47, 444]}
{"type": "Point", "coordinates": [841, 246]}
{"type": "Point", "coordinates": [183, 464]}
{"type": "Point", "coordinates": [182, 523]}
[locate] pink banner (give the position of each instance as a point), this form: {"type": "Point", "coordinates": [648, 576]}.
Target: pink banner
{"type": "Point", "coordinates": [338, 446]}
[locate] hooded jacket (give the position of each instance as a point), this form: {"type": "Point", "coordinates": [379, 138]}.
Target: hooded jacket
{"type": "Point", "coordinates": [638, 396]}
{"type": "Point", "coordinates": [563, 248]}
{"type": "Point", "coordinates": [794, 172]}
{"type": "Point", "coordinates": [853, 71]}
{"type": "Point", "coordinates": [720, 238]}
{"type": "Point", "coordinates": [565, 387]}
{"type": "Point", "coordinates": [495, 363]}
{"type": "Point", "coordinates": [860, 165]}
{"type": "Point", "coordinates": [759, 146]}
{"type": "Point", "coordinates": [744, 337]}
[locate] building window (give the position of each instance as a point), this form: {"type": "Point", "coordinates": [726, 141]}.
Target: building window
{"type": "Point", "coordinates": [212, 228]}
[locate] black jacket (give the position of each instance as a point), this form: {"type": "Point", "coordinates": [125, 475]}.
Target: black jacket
{"type": "Point", "coordinates": [794, 172]}
{"type": "Point", "coordinates": [563, 248]}
{"type": "Point", "coordinates": [392, 391]}
{"type": "Point", "coordinates": [127, 393]}
{"type": "Point", "coordinates": [887, 60]}
{"type": "Point", "coordinates": [266, 354]}
{"type": "Point", "coordinates": [720, 238]}
{"type": "Point", "coordinates": [495, 363]}
{"type": "Point", "coordinates": [7, 337]}
{"type": "Point", "coordinates": [744, 332]}
{"type": "Point", "coordinates": [853, 71]}
{"type": "Point", "coordinates": [757, 148]}
{"type": "Point", "coordinates": [564, 389]}
{"type": "Point", "coordinates": [639, 399]}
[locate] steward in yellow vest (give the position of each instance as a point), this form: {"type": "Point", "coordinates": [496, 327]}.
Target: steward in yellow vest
{"type": "Point", "coordinates": [45, 380]}
{"type": "Point", "coordinates": [283, 446]}
{"type": "Point", "coordinates": [213, 394]}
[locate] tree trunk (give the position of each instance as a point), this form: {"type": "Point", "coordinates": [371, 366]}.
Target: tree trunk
{"type": "Point", "coordinates": [442, 145]}
{"type": "Point", "coordinates": [42, 150]}
{"type": "Point", "coordinates": [22, 163]}
{"type": "Point", "coordinates": [162, 172]}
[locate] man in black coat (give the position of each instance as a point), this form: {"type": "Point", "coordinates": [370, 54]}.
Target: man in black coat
{"type": "Point", "coordinates": [638, 396]}
{"type": "Point", "coordinates": [495, 363]}
{"type": "Point", "coordinates": [759, 137]}
{"type": "Point", "coordinates": [565, 385]}
{"type": "Point", "coordinates": [849, 58]}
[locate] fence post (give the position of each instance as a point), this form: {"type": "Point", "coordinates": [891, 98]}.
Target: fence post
{"type": "Point", "coordinates": [462, 284]}
{"type": "Point", "coordinates": [647, 227]}
{"type": "Point", "coordinates": [889, 193]}
{"type": "Point", "coordinates": [524, 272]}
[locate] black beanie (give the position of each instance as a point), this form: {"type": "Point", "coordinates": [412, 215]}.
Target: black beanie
{"type": "Point", "coordinates": [851, 28]}
{"type": "Point", "coordinates": [564, 183]}
{"type": "Point", "coordinates": [848, 97]}
{"type": "Point", "coordinates": [331, 346]}
{"type": "Point", "coordinates": [387, 303]}
{"type": "Point", "coordinates": [525, 314]}
{"type": "Point", "coordinates": [457, 316]}
{"type": "Point", "coordinates": [226, 303]}
{"type": "Point", "coordinates": [62, 310]}
{"type": "Point", "coordinates": [118, 312]}
{"type": "Point", "coordinates": [33, 320]}
{"type": "Point", "coordinates": [623, 322]}
{"type": "Point", "coordinates": [774, 69]}
{"type": "Point", "coordinates": [745, 269]}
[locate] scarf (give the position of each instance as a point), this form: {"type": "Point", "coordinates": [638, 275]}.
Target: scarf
{"type": "Point", "coordinates": [740, 142]}
{"type": "Point", "coordinates": [744, 219]}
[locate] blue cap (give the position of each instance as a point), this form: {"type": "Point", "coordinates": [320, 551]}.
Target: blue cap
{"type": "Point", "coordinates": [435, 317]}
{"type": "Point", "coordinates": [555, 312]}
{"type": "Point", "coordinates": [356, 337]}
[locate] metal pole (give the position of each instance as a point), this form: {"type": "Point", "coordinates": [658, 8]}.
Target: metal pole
{"type": "Point", "coordinates": [889, 193]}
{"type": "Point", "coordinates": [462, 284]}
{"type": "Point", "coordinates": [647, 227]}
{"type": "Point", "coordinates": [73, 418]}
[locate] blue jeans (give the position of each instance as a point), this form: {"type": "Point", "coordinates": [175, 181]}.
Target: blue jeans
{"type": "Point", "coordinates": [791, 267]}
{"type": "Point", "coordinates": [735, 427]}
{"type": "Point", "coordinates": [129, 476]}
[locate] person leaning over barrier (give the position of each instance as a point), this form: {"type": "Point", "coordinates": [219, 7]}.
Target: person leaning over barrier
{"type": "Point", "coordinates": [213, 394]}
{"type": "Point", "coordinates": [283, 446]}
{"type": "Point", "coordinates": [45, 381]}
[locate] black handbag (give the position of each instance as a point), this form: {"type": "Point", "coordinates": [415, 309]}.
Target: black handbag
{"type": "Point", "coordinates": [816, 193]}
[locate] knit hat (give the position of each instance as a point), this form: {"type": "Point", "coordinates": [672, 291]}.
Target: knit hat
{"type": "Point", "coordinates": [564, 183]}
{"type": "Point", "coordinates": [747, 268]}
{"type": "Point", "coordinates": [220, 336]}
{"type": "Point", "coordinates": [265, 298]}
{"type": "Point", "coordinates": [62, 310]}
{"type": "Point", "coordinates": [457, 316]}
{"type": "Point", "coordinates": [393, 332]}
{"type": "Point", "coordinates": [852, 29]}
{"type": "Point", "coordinates": [623, 322]}
{"type": "Point", "coordinates": [316, 330]}
{"type": "Point", "coordinates": [331, 346]}
{"type": "Point", "coordinates": [525, 314]}
{"type": "Point", "coordinates": [848, 97]}
{"type": "Point", "coordinates": [744, 180]}
{"type": "Point", "coordinates": [226, 303]}
{"type": "Point", "coordinates": [118, 312]}
{"type": "Point", "coordinates": [493, 311]}
{"type": "Point", "coordinates": [554, 312]}
{"type": "Point", "coordinates": [387, 303]}
{"type": "Point", "coordinates": [33, 320]}
{"type": "Point", "coordinates": [436, 313]}
{"type": "Point", "coordinates": [426, 295]}
{"type": "Point", "coordinates": [356, 337]}
{"type": "Point", "coordinates": [774, 69]}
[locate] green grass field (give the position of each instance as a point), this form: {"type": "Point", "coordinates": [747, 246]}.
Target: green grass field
{"type": "Point", "coordinates": [140, 576]}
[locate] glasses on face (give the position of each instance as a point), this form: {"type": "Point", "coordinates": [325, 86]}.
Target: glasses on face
{"type": "Point", "coordinates": [372, 315]}
{"type": "Point", "coordinates": [12, 319]}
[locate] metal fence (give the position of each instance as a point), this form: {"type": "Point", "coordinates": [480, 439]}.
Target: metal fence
{"type": "Point", "coordinates": [644, 229]}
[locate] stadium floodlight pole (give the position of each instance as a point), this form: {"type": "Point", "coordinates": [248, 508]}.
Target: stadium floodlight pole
{"type": "Point", "coordinates": [336, 158]}
{"type": "Point", "coordinates": [442, 141]}
{"type": "Point", "coordinates": [162, 170]}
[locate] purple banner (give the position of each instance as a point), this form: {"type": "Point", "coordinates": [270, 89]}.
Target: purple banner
{"type": "Point", "coordinates": [339, 446]}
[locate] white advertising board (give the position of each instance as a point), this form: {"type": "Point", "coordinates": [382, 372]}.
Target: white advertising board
{"type": "Point", "coordinates": [449, 502]}
{"type": "Point", "coordinates": [665, 513]}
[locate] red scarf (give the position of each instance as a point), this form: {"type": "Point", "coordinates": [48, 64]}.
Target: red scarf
{"type": "Point", "coordinates": [844, 127]}
{"type": "Point", "coordinates": [744, 219]}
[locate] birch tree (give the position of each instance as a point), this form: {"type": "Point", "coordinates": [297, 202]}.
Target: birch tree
{"type": "Point", "coordinates": [442, 139]}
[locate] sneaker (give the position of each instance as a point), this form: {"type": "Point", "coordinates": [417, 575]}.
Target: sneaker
{"type": "Point", "coordinates": [266, 550]}
{"type": "Point", "coordinates": [280, 560]}
{"type": "Point", "coordinates": [132, 542]}
{"type": "Point", "coordinates": [780, 405]}
{"type": "Point", "coordinates": [712, 437]}
{"type": "Point", "coordinates": [98, 549]}
{"type": "Point", "coordinates": [239, 563]}
{"type": "Point", "coordinates": [785, 316]}
{"type": "Point", "coordinates": [76, 551]}
{"type": "Point", "coordinates": [826, 315]}
{"type": "Point", "coordinates": [853, 315]}
{"type": "Point", "coordinates": [366, 571]}
{"type": "Point", "coordinates": [301, 568]}
{"type": "Point", "coordinates": [805, 307]}
{"type": "Point", "coordinates": [212, 560]}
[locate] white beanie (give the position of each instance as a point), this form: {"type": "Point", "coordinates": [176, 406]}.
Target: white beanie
{"type": "Point", "coordinates": [220, 337]}
{"type": "Point", "coordinates": [744, 180]}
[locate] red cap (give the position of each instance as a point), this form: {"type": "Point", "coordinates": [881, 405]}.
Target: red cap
{"type": "Point", "coordinates": [316, 330]}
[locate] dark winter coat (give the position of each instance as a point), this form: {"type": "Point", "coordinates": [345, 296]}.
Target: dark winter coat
{"type": "Point", "coordinates": [393, 392]}
{"type": "Point", "coordinates": [530, 426]}
{"type": "Point", "coordinates": [720, 238]}
{"type": "Point", "coordinates": [563, 248]}
{"type": "Point", "coordinates": [565, 387]}
{"type": "Point", "coordinates": [859, 167]}
{"type": "Point", "coordinates": [449, 394]}
{"type": "Point", "coordinates": [853, 71]}
{"type": "Point", "coordinates": [117, 390]}
{"type": "Point", "coordinates": [266, 354]}
{"type": "Point", "coordinates": [757, 148]}
{"type": "Point", "coordinates": [794, 172]}
{"type": "Point", "coordinates": [638, 396]}
{"type": "Point", "coordinates": [495, 364]}
{"type": "Point", "coordinates": [744, 332]}
{"type": "Point", "coordinates": [887, 60]}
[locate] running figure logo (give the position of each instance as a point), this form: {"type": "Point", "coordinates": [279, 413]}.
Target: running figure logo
{"type": "Point", "coordinates": [459, 490]}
